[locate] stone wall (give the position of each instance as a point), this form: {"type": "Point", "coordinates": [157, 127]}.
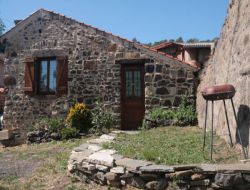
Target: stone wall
{"type": "Point", "coordinates": [1, 72]}
{"type": "Point", "coordinates": [1, 83]}
{"type": "Point", "coordinates": [92, 64]}
{"type": "Point", "coordinates": [230, 64]}
{"type": "Point", "coordinates": [164, 85]}
{"type": "Point", "coordinates": [90, 162]}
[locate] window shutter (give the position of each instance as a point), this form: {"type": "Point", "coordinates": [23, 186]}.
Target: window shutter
{"type": "Point", "coordinates": [62, 76]}
{"type": "Point", "coordinates": [29, 76]}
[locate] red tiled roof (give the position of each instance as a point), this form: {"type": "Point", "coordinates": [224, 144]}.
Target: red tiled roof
{"type": "Point", "coordinates": [165, 44]}
{"type": "Point", "coordinates": [129, 41]}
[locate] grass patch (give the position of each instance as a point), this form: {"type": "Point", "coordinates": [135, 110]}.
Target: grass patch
{"type": "Point", "coordinates": [52, 172]}
{"type": "Point", "coordinates": [172, 145]}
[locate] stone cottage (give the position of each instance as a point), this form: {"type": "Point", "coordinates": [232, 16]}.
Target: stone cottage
{"type": "Point", "coordinates": [58, 61]}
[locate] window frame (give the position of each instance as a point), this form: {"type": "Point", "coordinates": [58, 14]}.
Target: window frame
{"type": "Point", "coordinates": [38, 75]}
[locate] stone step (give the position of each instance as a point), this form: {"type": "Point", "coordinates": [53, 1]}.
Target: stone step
{"type": "Point", "coordinates": [6, 134]}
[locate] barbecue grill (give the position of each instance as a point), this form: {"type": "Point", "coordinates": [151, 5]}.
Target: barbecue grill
{"type": "Point", "coordinates": [215, 93]}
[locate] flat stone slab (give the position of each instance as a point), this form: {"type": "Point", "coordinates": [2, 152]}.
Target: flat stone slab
{"type": "Point", "coordinates": [157, 169]}
{"type": "Point", "coordinates": [102, 159]}
{"type": "Point", "coordinates": [184, 167]}
{"type": "Point", "coordinates": [82, 147]}
{"type": "Point", "coordinates": [131, 164]}
{"type": "Point", "coordinates": [78, 157]}
{"type": "Point", "coordinates": [94, 147]}
{"type": "Point", "coordinates": [213, 168]}
{"type": "Point", "coordinates": [107, 137]}
{"type": "Point", "coordinates": [99, 141]}
{"type": "Point", "coordinates": [126, 132]}
{"type": "Point", "coordinates": [101, 168]}
{"type": "Point", "coordinates": [118, 170]}
{"type": "Point", "coordinates": [108, 151]}
{"type": "Point", "coordinates": [117, 157]}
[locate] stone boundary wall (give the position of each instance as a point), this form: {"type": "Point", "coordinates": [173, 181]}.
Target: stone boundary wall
{"type": "Point", "coordinates": [90, 162]}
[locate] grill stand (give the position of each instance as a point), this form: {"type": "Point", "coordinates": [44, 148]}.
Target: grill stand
{"type": "Point", "coordinates": [212, 131]}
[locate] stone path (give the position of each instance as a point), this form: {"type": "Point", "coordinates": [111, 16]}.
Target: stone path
{"type": "Point", "coordinates": [91, 162]}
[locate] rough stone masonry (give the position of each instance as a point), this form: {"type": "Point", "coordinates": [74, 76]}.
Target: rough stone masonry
{"type": "Point", "coordinates": [91, 162]}
{"type": "Point", "coordinates": [93, 71]}
{"type": "Point", "coordinates": [230, 64]}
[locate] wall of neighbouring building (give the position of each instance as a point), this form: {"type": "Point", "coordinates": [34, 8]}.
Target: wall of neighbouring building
{"type": "Point", "coordinates": [93, 71]}
{"type": "Point", "coordinates": [200, 55]}
{"type": "Point", "coordinates": [230, 64]}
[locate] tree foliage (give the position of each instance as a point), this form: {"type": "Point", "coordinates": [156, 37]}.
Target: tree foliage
{"type": "Point", "coordinates": [180, 40]}
{"type": "Point", "coordinates": [2, 27]}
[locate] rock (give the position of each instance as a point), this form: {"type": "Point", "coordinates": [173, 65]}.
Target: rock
{"type": "Point", "coordinates": [157, 169]}
{"type": "Point", "coordinates": [114, 183]}
{"type": "Point", "coordinates": [107, 137]}
{"type": "Point", "coordinates": [181, 174]}
{"type": "Point", "coordinates": [94, 147]}
{"type": "Point", "coordinates": [101, 158]}
{"type": "Point", "coordinates": [112, 176]}
{"type": "Point", "coordinates": [100, 178]}
{"type": "Point", "coordinates": [149, 176]}
{"type": "Point", "coordinates": [137, 182]}
{"type": "Point", "coordinates": [88, 166]}
{"type": "Point", "coordinates": [117, 157]}
{"type": "Point", "coordinates": [98, 141]}
{"type": "Point", "coordinates": [157, 185]}
{"type": "Point", "coordinates": [71, 167]}
{"type": "Point", "coordinates": [228, 179]}
{"type": "Point", "coordinates": [101, 168]}
{"type": "Point", "coordinates": [82, 147]}
{"type": "Point", "coordinates": [127, 175]}
{"type": "Point", "coordinates": [107, 151]}
{"type": "Point", "coordinates": [55, 136]}
{"type": "Point", "coordinates": [131, 164]}
{"type": "Point", "coordinates": [184, 167]}
{"type": "Point", "coordinates": [197, 177]}
{"type": "Point", "coordinates": [246, 177]}
{"type": "Point", "coordinates": [204, 182]}
{"type": "Point", "coordinates": [78, 157]}
{"type": "Point", "coordinates": [208, 168]}
{"type": "Point", "coordinates": [118, 170]}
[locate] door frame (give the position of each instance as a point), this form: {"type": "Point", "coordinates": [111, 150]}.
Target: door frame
{"type": "Point", "coordinates": [140, 63]}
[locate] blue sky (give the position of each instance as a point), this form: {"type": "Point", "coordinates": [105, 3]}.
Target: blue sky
{"type": "Point", "coordinates": [147, 20]}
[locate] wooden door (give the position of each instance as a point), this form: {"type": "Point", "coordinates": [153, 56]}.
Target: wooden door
{"type": "Point", "coordinates": [132, 96]}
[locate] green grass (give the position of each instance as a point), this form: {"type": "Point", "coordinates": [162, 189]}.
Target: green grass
{"type": "Point", "coordinates": [53, 169]}
{"type": "Point", "coordinates": [172, 145]}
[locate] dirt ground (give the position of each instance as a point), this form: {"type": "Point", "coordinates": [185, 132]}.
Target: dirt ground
{"type": "Point", "coordinates": [41, 166]}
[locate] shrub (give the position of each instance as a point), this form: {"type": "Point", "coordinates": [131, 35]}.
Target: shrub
{"type": "Point", "coordinates": [102, 119]}
{"type": "Point", "coordinates": [51, 125]}
{"type": "Point", "coordinates": [184, 115]}
{"type": "Point", "coordinates": [69, 132]}
{"type": "Point", "coordinates": [79, 117]}
{"type": "Point", "coordinates": [161, 113]}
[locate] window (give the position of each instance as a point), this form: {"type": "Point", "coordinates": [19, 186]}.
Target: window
{"type": "Point", "coordinates": [133, 83]}
{"type": "Point", "coordinates": [46, 76]}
